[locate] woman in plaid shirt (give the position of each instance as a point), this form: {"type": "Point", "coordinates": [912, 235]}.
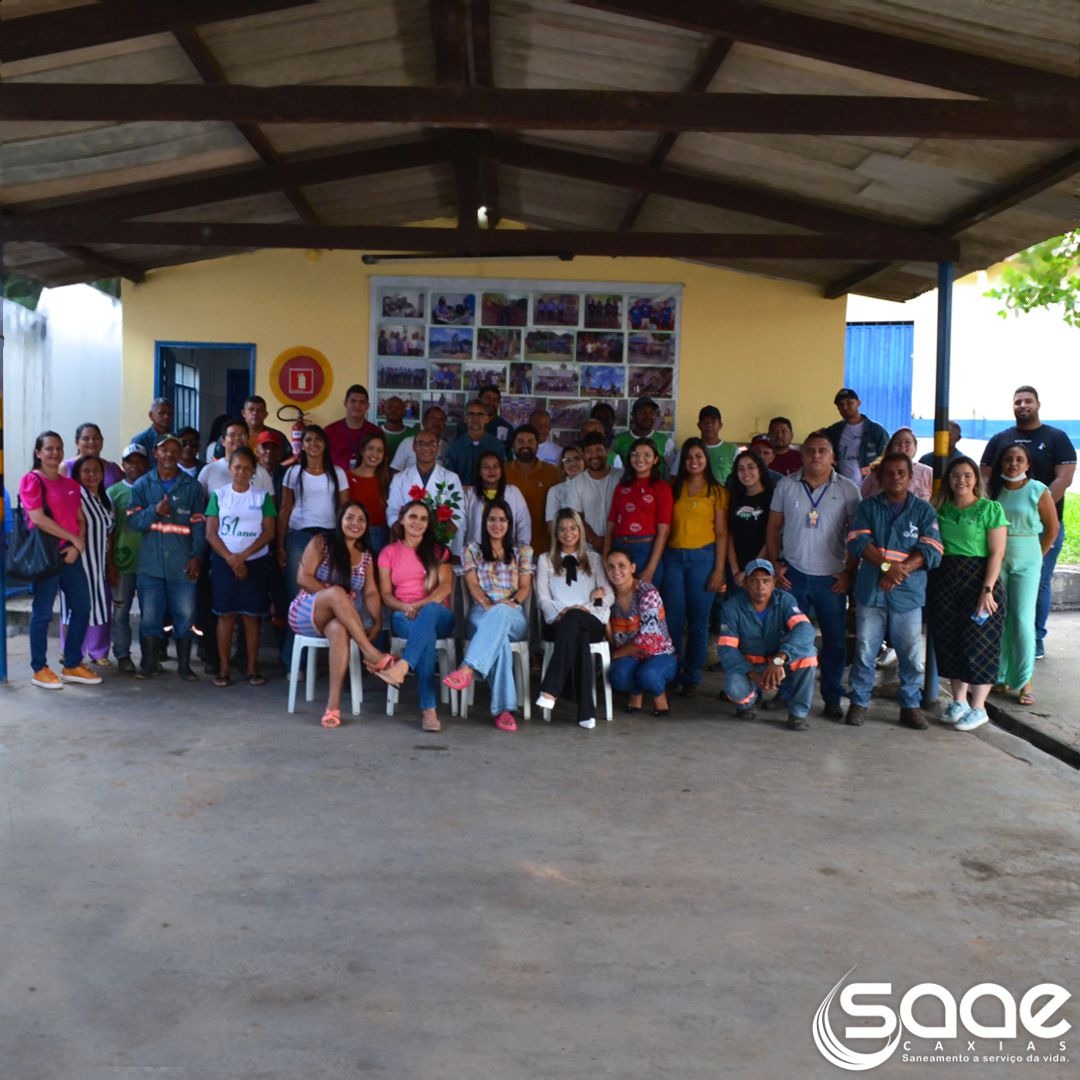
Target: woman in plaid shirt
{"type": "Point", "coordinates": [499, 577]}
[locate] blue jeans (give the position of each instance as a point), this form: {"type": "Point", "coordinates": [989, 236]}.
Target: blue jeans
{"type": "Point", "coordinates": [813, 592]}
{"type": "Point", "coordinates": [296, 540]}
{"type": "Point", "coordinates": [489, 653]}
{"type": "Point", "coordinates": [797, 689]}
{"type": "Point", "coordinates": [378, 537]}
{"type": "Point", "coordinates": [639, 553]}
{"type": "Point", "coordinates": [158, 595]}
{"type": "Point", "coordinates": [1042, 604]}
{"type": "Point", "coordinates": [72, 579]}
{"type": "Point", "coordinates": [649, 675]}
{"type": "Point", "coordinates": [123, 597]}
{"type": "Point", "coordinates": [432, 622]}
{"type": "Point", "coordinates": [904, 631]}
{"type": "Point", "coordinates": [687, 605]}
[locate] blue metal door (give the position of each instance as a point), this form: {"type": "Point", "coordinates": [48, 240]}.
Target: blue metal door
{"type": "Point", "coordinates": [877, 366]}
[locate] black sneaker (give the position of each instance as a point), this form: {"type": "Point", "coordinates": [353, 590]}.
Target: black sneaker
{"type": "Point", "coordinates": [797, 723]}
{"type": "Point", "coordinates": [856, 714]}
{"type": "Point", "coordinates": [744, 714]}
{"type": "Point", "coordinates": [833, 710]}
{"type": "Point", "coordinates": [125, 665]}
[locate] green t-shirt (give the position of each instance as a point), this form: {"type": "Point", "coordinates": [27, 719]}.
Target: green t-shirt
{"type": "Point", "coordinates": [395, 438]}
{"type": "Point", "coordinates": [963, 532]}
{"type": "Point", "coordinates": [240, 517]}
{"type": "Point", "coordinates": [722, 460]}
{"type": "Point", "coordinates": [125, 541]}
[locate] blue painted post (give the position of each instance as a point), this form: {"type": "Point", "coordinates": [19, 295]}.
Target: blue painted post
{"type": "Point", "coordinates": [941, 438]}
{"type": "Point", "coordinates": [3, 507]}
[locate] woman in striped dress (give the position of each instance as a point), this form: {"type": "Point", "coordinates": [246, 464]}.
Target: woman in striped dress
{"type": "Point", "coordinates": [89, 474]}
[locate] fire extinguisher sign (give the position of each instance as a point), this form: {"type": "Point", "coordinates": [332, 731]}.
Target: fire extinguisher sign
{"type": "Point", "coordinates": [301, 376]}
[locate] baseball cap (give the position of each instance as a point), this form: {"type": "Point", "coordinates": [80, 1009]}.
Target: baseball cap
{"type": "Point", "coordinates": [759, 564]}
{"type": "Point", "coordinates": [133, 448]}
{"type": "Point", "coordinates": [167, 437]}
{"type": "Point", "coordinates": [643, 401]}
{"type": "Point", "coordinates": [761, 440]}
{"type": "Point", "coordinates": [844, 392]}
{"type": "Point", "coordinates": [709, 410]}
{"type": "Point", "coordinates": [266, 436]}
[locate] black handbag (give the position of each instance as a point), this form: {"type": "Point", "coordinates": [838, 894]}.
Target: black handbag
{"type": "Point", "coordinates": [32, 554]}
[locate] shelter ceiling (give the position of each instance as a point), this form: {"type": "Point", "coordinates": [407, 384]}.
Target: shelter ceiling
{"type": "Point", "coordinates": [995, 195]}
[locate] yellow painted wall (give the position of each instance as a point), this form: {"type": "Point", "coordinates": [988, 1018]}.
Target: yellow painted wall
{"type": "Point", "coordinates": [750, 345]}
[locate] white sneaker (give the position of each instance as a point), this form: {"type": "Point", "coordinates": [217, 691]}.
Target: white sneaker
{"type": "Point", "coordinates": [972, 719]}
{"type": "Point", "coordinates": [589, 724]}
{"type": "Point", "coordinates": [545, 701]}
{"type": "Point", "coordinates": [954, 711]}
{"type": "Point", "coordinates": [886, 658]}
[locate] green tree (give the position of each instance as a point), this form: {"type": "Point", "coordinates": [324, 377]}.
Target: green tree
{"type": "Point", "coordinates": [1044, 276]}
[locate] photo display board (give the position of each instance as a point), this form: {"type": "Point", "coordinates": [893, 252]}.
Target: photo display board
{"type": "Point", "coordinates": [560, 346]}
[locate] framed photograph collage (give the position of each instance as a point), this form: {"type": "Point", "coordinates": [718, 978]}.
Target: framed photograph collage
{"type": "Point", "coordinates": [553, 345]}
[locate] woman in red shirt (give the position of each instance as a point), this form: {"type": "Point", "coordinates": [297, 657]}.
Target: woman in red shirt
{"type": "Point", "coordinates": [369, 485]}
{"type": "Point", "coordinates": [640, 516]}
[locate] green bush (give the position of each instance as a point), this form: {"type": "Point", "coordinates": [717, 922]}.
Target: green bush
{"type": "Point", "coordinates": [1070, 550]}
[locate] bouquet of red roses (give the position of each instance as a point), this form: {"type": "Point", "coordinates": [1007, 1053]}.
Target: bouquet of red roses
{"type": "Point", "coordinates": [443, 506]}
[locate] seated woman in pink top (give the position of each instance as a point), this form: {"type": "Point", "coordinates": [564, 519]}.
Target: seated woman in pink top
{"type": "Point", "coordinates": [922, 476]}
{"type": "Point", "coordinates": [416, 582]}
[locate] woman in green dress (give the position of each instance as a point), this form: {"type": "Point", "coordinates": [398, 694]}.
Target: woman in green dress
{"type": "Point", "coordinates": [1033, 527]}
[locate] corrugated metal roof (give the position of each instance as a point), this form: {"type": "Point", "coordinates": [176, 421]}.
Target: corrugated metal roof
{"type": "Point", "coordinates": [552, 44]}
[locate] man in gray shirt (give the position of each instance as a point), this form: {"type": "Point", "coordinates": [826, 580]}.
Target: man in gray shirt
{"type": "Point", "coordinates": [809, 517]}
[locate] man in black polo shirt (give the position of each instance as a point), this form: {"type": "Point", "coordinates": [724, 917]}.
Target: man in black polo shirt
{"type": "Point", "coordinates": [1053, 461]}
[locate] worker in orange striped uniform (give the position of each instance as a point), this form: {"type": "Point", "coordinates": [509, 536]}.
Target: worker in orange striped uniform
{"type": "Point", "coordinates": [766, 644]}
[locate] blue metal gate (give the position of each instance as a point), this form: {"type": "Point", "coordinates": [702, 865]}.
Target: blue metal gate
{"type": "Point", "coordinates": [877, 366]}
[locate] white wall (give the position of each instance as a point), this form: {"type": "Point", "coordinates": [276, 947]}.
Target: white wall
{"type": "Point", "coordinates": [62, 366]}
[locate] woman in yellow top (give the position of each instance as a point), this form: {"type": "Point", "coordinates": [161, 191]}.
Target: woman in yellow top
{"type": "Point", "coordinates": [694, 560]}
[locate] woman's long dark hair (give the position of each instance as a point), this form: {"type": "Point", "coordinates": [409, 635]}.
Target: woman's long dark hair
{"type": "Point", "coordinates": [429, 551]}
{"type": "Point", "coordinates": [711, 483]}
{"type": "Point", "coordinates": [77, 468]}
{"type": "Point", "coordinates": [478, 483]}
{"type": "Point", "coordinates": [738, 488]}
{"type": "Point", "coordinates": [485, 539]}
{"type": "Point", "coordinates": [382, 470]}
{"type": "Point", "coordinates": [995, 483]}
{"type": "Point", "coordinates": [944, 493]}
{"type": "Point", "coordinates": [39, 442]}
{"type": "Point", "coordinates": [328, 465]}
{"type": "Point", "coordinates": [629, 476]}
{"type": "Point", "coordinates": [338, 546]}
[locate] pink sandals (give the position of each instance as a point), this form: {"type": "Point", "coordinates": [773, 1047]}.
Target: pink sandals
{"type": "Point", "coordinates": [458, 680]}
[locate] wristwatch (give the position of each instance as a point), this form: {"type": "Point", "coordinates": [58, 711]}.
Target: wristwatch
{"type": "Point", "coordinates": [886, 567]}
{"type": "Point", "coordinates": [778, 660]}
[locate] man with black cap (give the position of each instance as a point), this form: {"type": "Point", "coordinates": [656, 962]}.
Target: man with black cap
{"type": "Point", "coordinates": [643, 416]}
{"type": "Point", "coordinates": [168, 507]}
{"type": "Point", "coordinates": [721, 454]}
{"type": "Point", "coordinates": [766, 644]}
{"type": "Point", "coordinates": [856, 439]}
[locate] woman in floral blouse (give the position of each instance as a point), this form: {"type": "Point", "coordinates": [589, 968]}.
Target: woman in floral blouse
{"type": "Point", "coordinates": [499, 578]}
{"type": "Point", "coordinates": [644, 657]}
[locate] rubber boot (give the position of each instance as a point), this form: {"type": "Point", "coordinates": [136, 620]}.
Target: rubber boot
{"type": "Point", "coordinates": [183, 656]}
{"type": "Point", "coordinates": [148, 650]}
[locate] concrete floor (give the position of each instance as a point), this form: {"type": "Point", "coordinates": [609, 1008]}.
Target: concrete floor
{"type": "Point", "coordinates": [197, 885]}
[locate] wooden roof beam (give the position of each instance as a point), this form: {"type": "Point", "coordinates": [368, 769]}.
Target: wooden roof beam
{"type": "Point", "coordinates": [849, 46]}
{"type": "Point", "coordinates": [726, 194]}
{"type": "Point", "coordinates": [83, 27]}
{"type": "Point", "coordinates": [212, 73]}
{"type": "Point", "coordinates": [103, 266]}
{"type": "Point", "coordinates": [134, 201]}
{"type": "Point", "coordinates": [573, 110]}
{"type": "Point", "coordinates": [1028, 186]}
{"type": "Point", "coordinates": [702, 76]}
{"type": "Point", "coordinates": [847, 246]}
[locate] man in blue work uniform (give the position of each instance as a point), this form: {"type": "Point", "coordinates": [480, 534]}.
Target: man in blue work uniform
{"type": "Point", "coordinates": [766, 644]}
{"type": "Point", "coordinates": [169, 507]}
{"type": "Point", "coordinates": [895, 537]}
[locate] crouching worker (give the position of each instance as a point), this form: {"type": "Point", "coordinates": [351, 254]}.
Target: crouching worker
{"type": "Point", "coordinates": [766, 643]}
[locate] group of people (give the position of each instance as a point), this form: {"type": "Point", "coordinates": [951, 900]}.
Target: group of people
{"type": "Point", "coordinates": [365, 529]}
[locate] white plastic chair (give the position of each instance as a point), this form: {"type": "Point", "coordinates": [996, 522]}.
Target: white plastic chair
{"type": "Point", "coordinates": [601, 651]}
{"type": "Point", "coordinates": [302, 642]}
{"type": "Point", "coordinates": [520, 650]}
{"type": "Point", "coordinates": [446, 649]}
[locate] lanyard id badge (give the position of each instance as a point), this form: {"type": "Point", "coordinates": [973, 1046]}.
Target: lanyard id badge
{"type": "Point", "coordinates": [812, 516]}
